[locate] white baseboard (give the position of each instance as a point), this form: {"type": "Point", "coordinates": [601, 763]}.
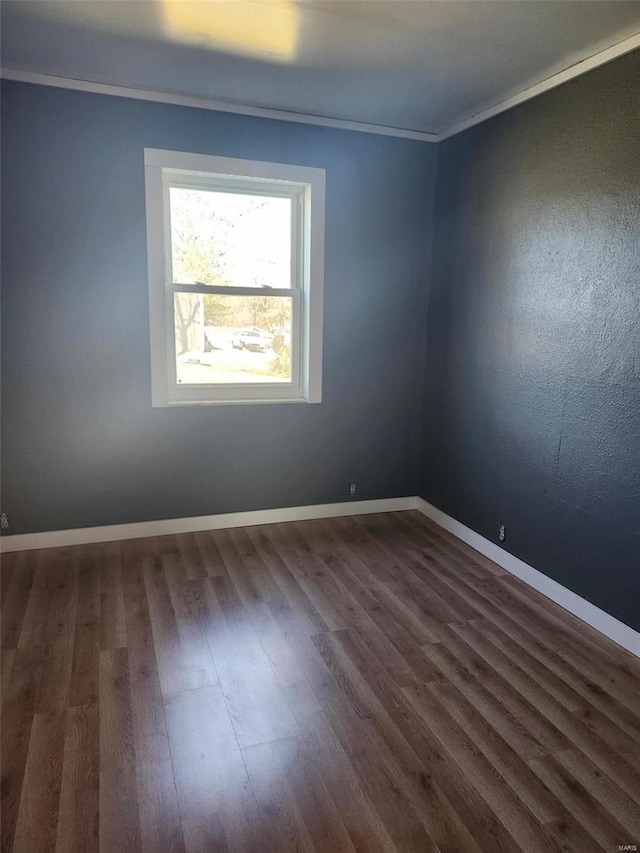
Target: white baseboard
{"type": "Point", "coordinates": [580, 607]}
{"type": "Point", "coordinates": [140, 530]}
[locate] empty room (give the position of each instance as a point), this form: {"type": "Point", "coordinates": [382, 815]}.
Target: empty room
{"type": "Point", "coordinates": [320, 426]}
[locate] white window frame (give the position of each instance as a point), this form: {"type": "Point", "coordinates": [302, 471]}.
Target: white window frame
{"type": "Point", "coordinates": [306, 187]}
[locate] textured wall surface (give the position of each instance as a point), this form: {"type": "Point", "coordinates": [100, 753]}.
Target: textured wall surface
{"type": "Point", "coordinates": [532, 384]}
{"type": "Point", "coordinates": [81, 444]}
{"type": "Point", "coordinates": [532, 410]}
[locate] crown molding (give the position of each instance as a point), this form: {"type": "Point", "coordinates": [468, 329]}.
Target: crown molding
{"type": "Point", "coordinates": [532, 91]}
{"type": "Point", "coordinates": [182, 100]}
{"type": "Point", "coordinates": [538, 88]}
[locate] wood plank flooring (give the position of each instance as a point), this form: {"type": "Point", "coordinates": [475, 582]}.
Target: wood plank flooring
{"type": "Point", "coordinates": [354, 684]}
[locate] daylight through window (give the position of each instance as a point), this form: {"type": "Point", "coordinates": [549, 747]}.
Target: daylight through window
{"type": "Point", "coordinates": [235, 279]}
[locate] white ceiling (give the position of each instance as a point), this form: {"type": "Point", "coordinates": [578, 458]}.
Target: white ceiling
{"type": "Point", "coordinates": [423, 65]}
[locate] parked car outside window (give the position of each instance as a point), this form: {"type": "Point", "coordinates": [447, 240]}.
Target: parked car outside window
{"type": "Point", "coordinates": [252, 339]}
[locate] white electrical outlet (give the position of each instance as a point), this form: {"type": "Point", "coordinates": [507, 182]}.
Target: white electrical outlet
{"type": "Point", "coordinates": [502, 533]}
{"type": "Point", "coordinates": [352, 489]}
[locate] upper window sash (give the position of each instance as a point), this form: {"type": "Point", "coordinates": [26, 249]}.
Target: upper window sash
{"type": "Point", "coordinates": [180, 179]}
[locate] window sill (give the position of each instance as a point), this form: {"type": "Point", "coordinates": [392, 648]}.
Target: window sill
{"type": "Point", "coordinates": [181, 403]}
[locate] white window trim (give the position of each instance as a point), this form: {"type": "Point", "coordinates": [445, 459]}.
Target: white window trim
{"type": "Point", "coordinates": [309, 185]}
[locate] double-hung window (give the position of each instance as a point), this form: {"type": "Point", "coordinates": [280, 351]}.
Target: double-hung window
{"type": "Point", "coordinates": [235, 257]}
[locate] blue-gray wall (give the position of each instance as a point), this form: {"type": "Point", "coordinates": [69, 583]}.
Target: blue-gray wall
{"type": "Point", "coordinates": [81, 444]}
{"type": "Point", "coordinates": [532, 407]}
{"type": "Point", "coordinates": [528, 412]}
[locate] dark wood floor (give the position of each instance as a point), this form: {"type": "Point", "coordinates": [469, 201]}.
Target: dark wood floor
{"type": "Point", "coordinates": [355, 684]}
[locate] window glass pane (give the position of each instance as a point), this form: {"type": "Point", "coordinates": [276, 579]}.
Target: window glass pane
{"type": "Point", "coordinates": [232, 339]}
{"type": "Point", "coordinates": [230, 239]}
